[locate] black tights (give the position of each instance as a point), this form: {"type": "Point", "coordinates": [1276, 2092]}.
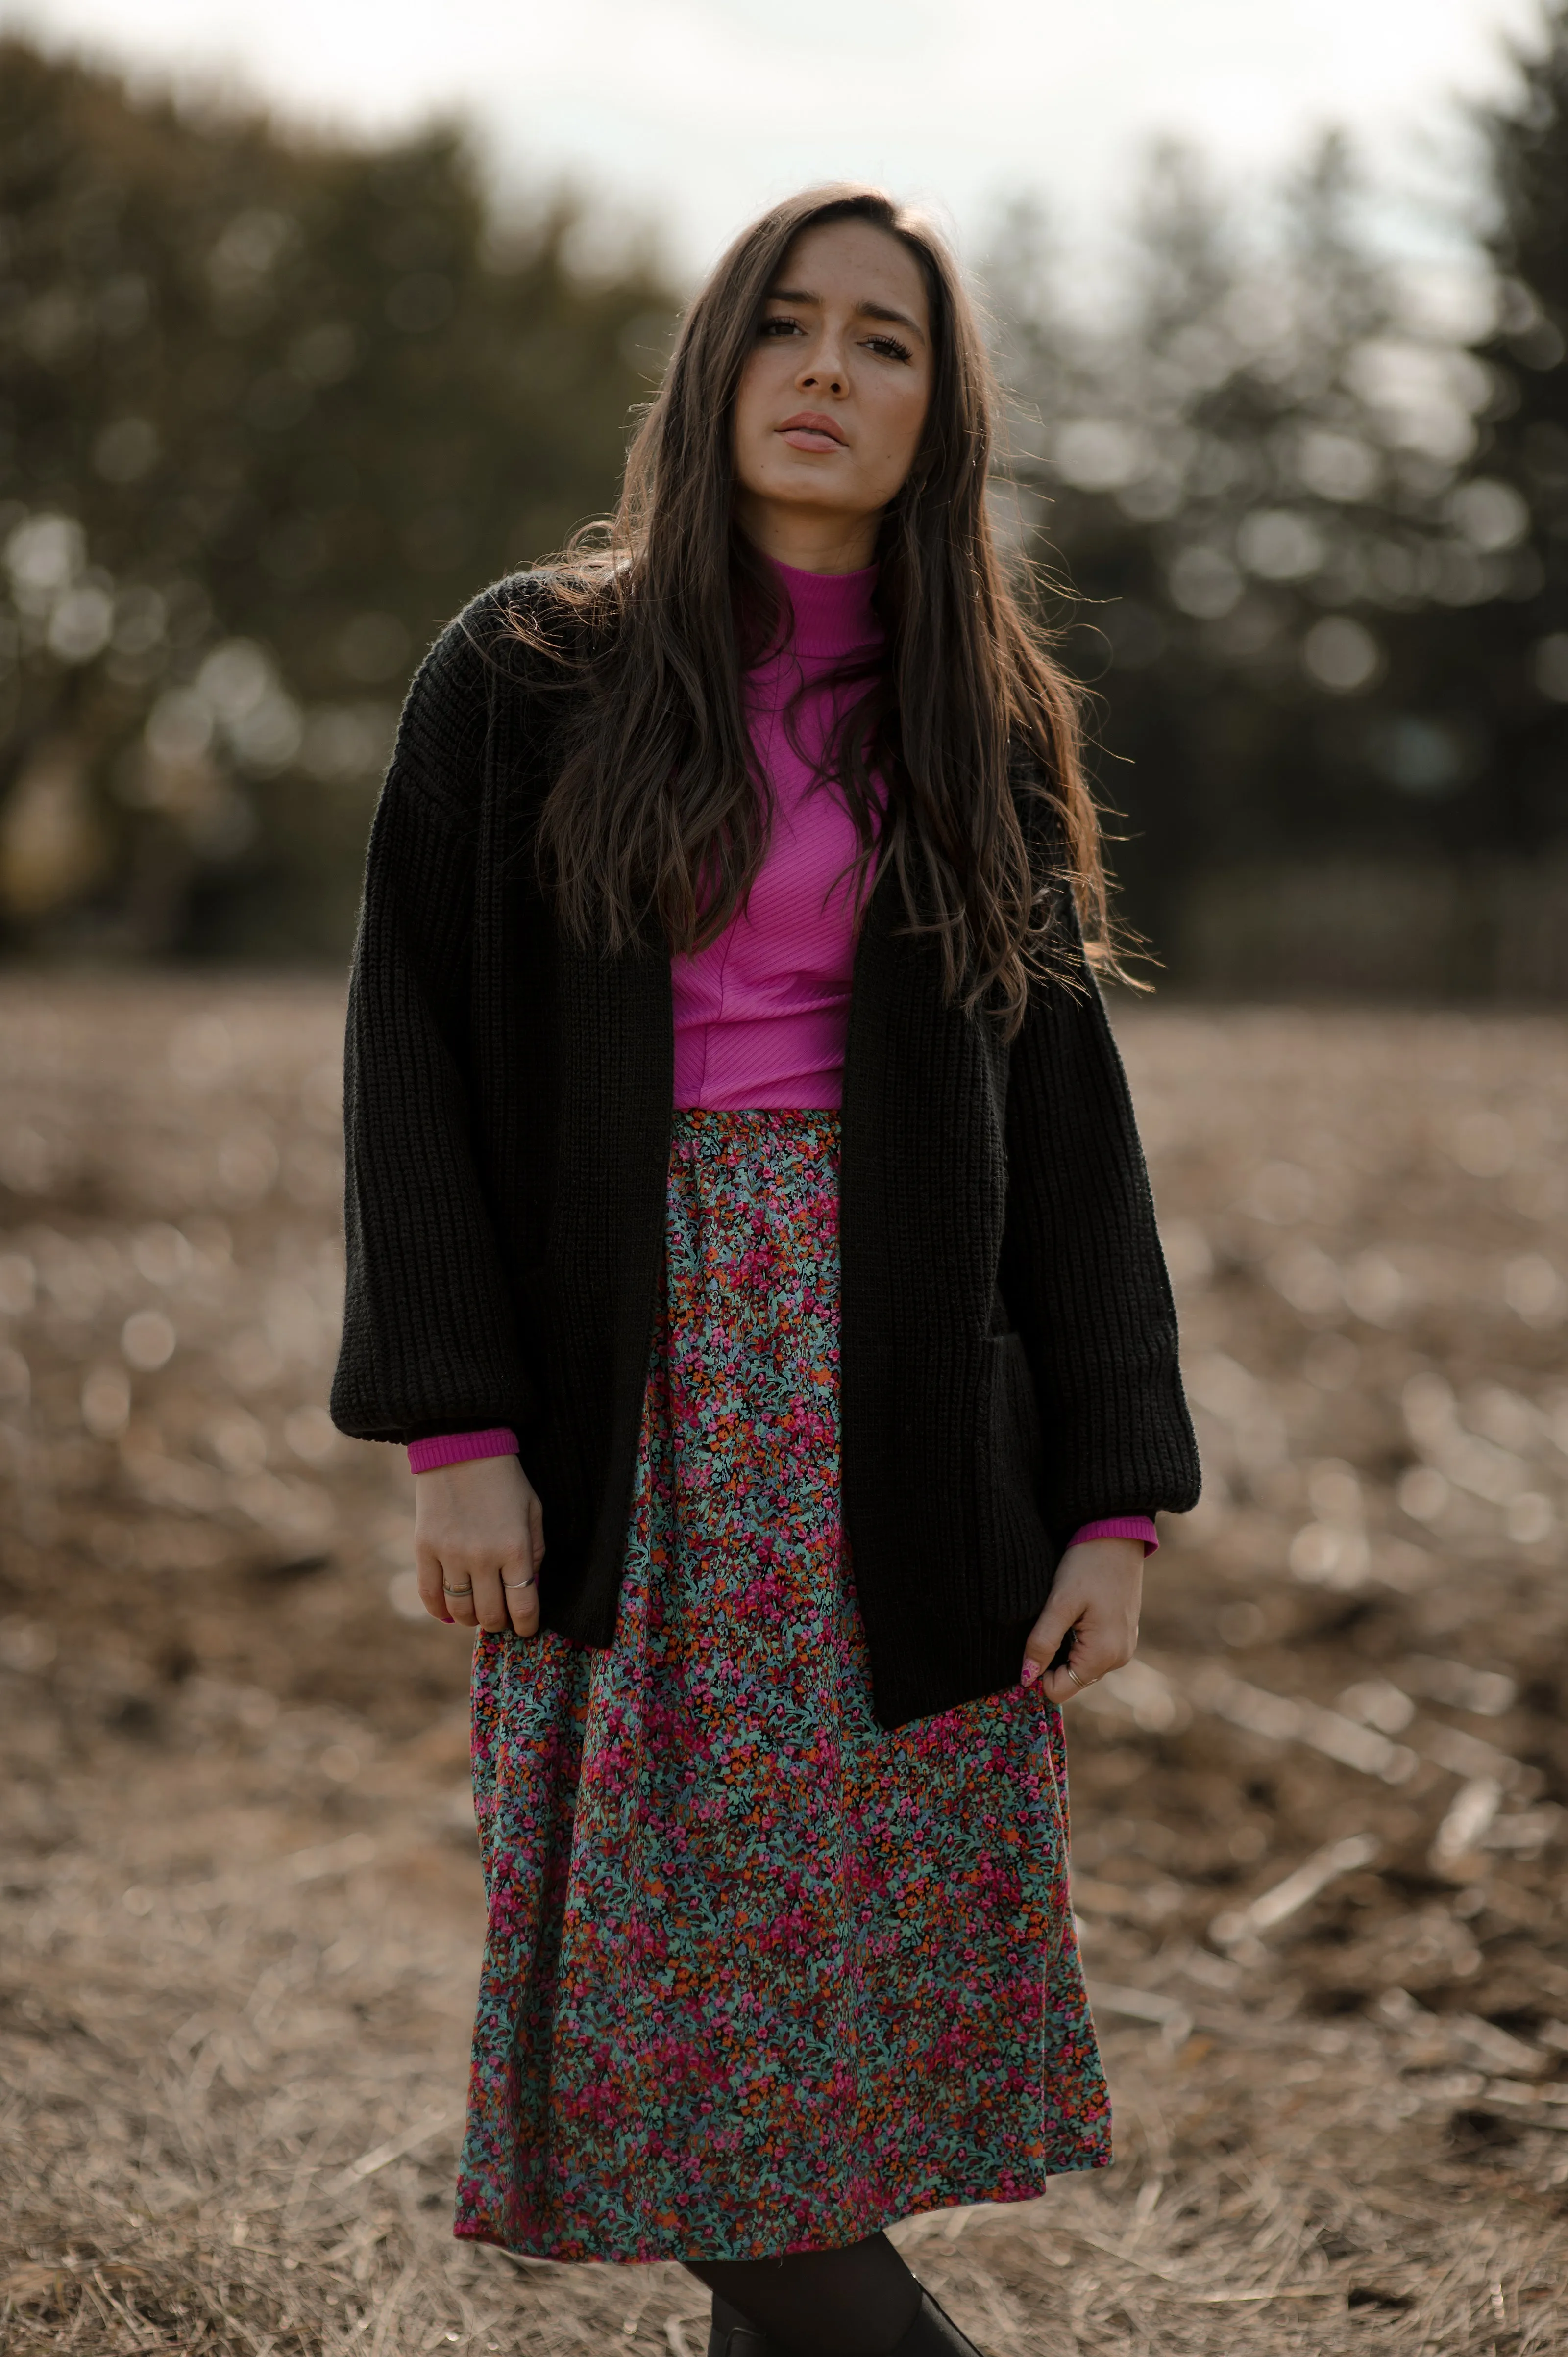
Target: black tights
{"type": "Point", "coordinates": [855, 2303]}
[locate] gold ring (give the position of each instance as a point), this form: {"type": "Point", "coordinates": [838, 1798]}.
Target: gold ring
{"type": "Point", "coordinates": [456, 1591]}
{"type": "Point", "coordinates": [1072, 1674]}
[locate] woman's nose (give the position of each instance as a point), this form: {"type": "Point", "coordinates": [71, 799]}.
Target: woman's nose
{"type": "Point", "coordinates": [822, 371]}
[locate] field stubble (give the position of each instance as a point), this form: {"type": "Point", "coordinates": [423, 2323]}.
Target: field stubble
{"type": "Point", "coordinates": [1320, 1824]}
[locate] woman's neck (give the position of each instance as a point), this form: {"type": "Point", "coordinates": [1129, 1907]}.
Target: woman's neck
{"type": "Point", "coordinates": [814, 540]}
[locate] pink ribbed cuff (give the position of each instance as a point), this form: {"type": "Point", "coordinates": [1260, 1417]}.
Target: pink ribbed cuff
{"type": "Point", "coordinates": [1120, 1526]}
{"type": "Point", "coordinates": [458, 1448]}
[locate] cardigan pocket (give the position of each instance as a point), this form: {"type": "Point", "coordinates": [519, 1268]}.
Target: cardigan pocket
{"type": "Point", "coordinates": [1017, 1560]}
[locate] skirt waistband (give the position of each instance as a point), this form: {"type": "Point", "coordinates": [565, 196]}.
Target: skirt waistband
{"type": "Point", "coordinates": [701, 1120]}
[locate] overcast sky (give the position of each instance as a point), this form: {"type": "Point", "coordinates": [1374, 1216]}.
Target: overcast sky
{"type": "Point", "coordinates": [693, 112]}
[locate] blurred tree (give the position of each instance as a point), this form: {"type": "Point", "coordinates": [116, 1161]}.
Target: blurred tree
{"type": "Point", "coordinates": [270, 410]}
{"type": "Point", "coordinates": [1252, 478]}
{"type": "Point", "coordinates": [1512, 660]}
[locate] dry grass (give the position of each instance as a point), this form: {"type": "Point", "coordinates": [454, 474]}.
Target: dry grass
{"type": "Point", "coordinates": [243, 1903]}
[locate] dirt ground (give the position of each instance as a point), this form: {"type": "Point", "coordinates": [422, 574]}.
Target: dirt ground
{"type": "Point", "coordinates": [1319, 1826]}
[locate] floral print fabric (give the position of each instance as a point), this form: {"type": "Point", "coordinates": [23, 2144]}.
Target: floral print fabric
{"type": "Point", "coordinates": [760, 1974]}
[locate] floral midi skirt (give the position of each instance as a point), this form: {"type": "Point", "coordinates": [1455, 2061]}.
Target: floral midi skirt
{"type": "Point", "coordinates": [759, 1975]}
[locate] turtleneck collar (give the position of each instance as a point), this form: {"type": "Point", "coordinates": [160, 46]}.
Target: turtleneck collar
{"type": "Point", "coordinates": [833, 610]}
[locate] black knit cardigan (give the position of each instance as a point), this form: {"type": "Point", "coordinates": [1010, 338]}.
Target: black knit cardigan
{"type": "Point", "coordinates": [1008, 1345]}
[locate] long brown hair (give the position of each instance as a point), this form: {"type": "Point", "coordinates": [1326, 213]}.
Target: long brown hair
{"type": "Point", "coordinates": [659, 811]}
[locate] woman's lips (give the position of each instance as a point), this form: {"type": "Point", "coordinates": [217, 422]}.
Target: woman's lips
{"type": "Point", "coordinates": [809, 433]}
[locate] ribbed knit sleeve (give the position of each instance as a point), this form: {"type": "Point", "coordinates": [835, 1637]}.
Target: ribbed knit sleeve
{"type": "Point", "coordinates": [1083, 1273]}
{"type": "Point", "coordinates": [430, 1342]}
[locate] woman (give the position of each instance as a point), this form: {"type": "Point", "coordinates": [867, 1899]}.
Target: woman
{"type": "Point", "coordinates": [748, 1231]}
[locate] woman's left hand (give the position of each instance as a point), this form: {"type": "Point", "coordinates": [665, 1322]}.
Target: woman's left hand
{"type": "Point", "coordinates": [1098, 1592]}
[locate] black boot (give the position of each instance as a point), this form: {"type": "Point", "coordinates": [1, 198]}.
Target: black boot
{"type": "Point", "coordinates": [733, 2335]}
{"type": "Point", "coordinates": [933, 2333]}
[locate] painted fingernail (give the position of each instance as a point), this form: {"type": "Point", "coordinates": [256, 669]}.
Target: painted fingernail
{"type": "Point", "coordinates": [1031, 1672]}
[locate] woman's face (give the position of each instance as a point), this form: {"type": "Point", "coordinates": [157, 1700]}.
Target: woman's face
{"type": "Point", "coordinates": [832, 399]}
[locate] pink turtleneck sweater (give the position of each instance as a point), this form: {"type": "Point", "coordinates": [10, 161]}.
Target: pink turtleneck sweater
{"type": "Point", "coordinates": [762, 1013]}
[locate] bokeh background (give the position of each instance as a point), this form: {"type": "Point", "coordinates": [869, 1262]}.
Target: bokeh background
{"type": "Point", "coordinates": [1287, 440]}
{"type": "Point", "coordinates": [311, 322]}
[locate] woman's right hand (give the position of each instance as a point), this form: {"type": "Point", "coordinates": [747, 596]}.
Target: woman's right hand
{"type": "Point", "coordinates": [478, 1538]}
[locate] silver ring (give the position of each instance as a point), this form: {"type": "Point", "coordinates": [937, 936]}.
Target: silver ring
{"type": "Point", "coordinates": [529, 1582]}
{"type": "Point", "coordinates": [1072, 1674]}
{"type": "Point", "coordinates": [456, 1591]}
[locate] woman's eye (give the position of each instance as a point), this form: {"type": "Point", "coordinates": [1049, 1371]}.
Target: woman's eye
{"type": "Point", "coordinates": [889, 347]}
{"type": "Point", "coordinates": [779, 327]}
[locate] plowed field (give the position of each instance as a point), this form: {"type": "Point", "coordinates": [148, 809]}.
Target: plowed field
{"type": "Point", "coordinates": [1319, 1826]}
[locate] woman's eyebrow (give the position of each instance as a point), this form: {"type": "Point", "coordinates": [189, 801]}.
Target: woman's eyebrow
{"type": "Point", "coordinates": [882, 311]}
{"type": "Point", "coordinates": [863, 310]}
